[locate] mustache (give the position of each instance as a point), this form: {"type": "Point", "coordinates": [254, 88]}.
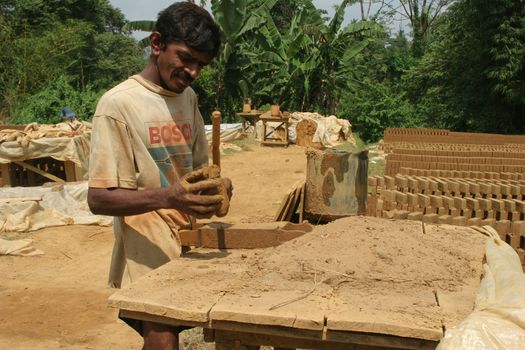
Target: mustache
{"type": "Point", "coordinates": [183, 75]}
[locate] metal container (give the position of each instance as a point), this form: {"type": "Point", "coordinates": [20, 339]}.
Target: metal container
{"type": "Point", "coordinates": [336, 184]}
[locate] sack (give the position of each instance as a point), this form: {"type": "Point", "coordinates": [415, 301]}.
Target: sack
{"type": "Point", "coordinates": [498, 319]}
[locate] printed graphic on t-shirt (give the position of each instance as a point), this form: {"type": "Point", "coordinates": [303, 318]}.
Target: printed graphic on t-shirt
{"type": "Point", "coordinates": [169, 143]}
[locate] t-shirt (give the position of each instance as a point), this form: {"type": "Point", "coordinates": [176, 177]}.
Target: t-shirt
{"type": "Point", "coordinates": [145, 137]}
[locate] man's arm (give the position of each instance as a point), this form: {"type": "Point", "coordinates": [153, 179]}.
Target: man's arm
{"type": "Point", "coordinates": [125, 202]}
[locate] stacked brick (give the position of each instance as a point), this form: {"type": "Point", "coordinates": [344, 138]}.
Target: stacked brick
{"type": "Point", "coordinates": [499, 203]}
{"type": "Point", "coordinates": [440, 176]}
{"type": "Point", "coordinates": [506, 159]}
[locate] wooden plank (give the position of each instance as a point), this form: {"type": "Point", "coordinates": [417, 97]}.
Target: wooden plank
{"type": "Point", "coordinates": [288, 342]}
{"type": "Point", "coordinates": [252, 304]}
{"type": "Point", "coordinates": [284, 203]}
{"type": "Point", "coordinates": [39, 171]}
{"type": "Point", "coordinates": [294, 204]}
{"type": "Point", "coordinates": [242, 236]}
{"type": "Point", "coordinates": [345, 313]}
{"type": "Point", "coordinates": [175, 290]}
{"type": "Point", "coordinates": [301, 203]}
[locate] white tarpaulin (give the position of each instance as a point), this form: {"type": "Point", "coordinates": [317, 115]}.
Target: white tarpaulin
{"type": "Point", "coordinates": [21, 247]}
{"type": "Point", "coordinates": [64, 141]}
{"type": "Point", "coordinates": [498, 319]}
{"type": "Point", "coordinates": [229, 132]}
{"type": "Point", "coordinates": [66, 206]}
{"type": "Point", "coordinates": [328, 128]}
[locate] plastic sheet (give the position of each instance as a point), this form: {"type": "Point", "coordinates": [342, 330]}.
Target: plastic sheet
{"type": "Point", "coordinates": [498, 320]}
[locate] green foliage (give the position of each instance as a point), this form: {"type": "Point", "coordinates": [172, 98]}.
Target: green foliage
{"type": "Point", "coordinates": [473, 77]}
{"type": "Point", "coordinates": [80, 40]}
{"type": "Point", "coordinates": [204, 87]}
{"type": "Point", "coordinates": [44, 106]}
{"type": "Point", "coordinates": [374, 107]}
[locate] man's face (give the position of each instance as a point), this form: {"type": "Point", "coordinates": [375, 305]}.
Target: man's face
{"type": "Point", "coordinates": [179, 65]}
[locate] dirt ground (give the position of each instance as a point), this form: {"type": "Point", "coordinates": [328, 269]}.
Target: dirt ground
{"type": "Point", "coordinates": [58, 300]}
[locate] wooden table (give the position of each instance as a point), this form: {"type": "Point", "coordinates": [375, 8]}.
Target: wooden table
{"type": "Point", "coordinates": [250, 118]}
{"type": "Point", "coordinates": [212, 289]}
{"type": "Point", "coordinates": [271, 140]}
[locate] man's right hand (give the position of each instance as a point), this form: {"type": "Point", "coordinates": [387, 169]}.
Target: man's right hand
{"type": "Point", "coordinates": [185, 196]}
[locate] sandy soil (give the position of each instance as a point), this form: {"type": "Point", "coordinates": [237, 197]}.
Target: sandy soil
{"type": "Point", "coordinates": [58, 300]}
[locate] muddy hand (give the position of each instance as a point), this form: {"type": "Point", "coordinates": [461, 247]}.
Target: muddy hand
{"type": "Point", "coordinates": [189, 198]}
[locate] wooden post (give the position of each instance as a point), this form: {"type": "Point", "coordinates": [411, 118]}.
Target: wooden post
{"type": "Point", "coordinates": [216, 138]}
{"type": "Point", "coordinates": [6, 180]}
{"type": "Point", "coordinates": [69, 168]}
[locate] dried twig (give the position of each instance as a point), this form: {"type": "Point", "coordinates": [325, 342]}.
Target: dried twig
{"type": "Point", "coordinates": [67, 256]}
{"type": "Point", "coordinates": [284, 303]}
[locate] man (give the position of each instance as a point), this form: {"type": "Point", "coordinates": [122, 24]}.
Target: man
{"type": "Point", "coordinates": [148, 135]}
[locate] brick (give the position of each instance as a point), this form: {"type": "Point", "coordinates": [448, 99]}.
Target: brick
{"type": "Point", "coordinates": [388, 214]}
{"type": "Point", "coordinates": [460, 203]}
{"type": "Point", "coordinates": [389, 182]}
{"type": "Point", "coordinates": [474, 222]}
{"type": "Point", "coordinates": [401, 214]}
{"type": "Point", "coordinates": [430, 218]}
{"type": "Point", "coordinates": [474, 188]}
{"type": "Point", "coordinates": [442, 211]}
{"type": "Point", "coordinates": [445, 219]}
{"type": "Point", "coordinates": [467, 213]}
{"type": "Point", "coordinates": [459, 221]}
{"type": "Point", "coordinates": [485, 204]}
{"type": "Point", "coordinates": [472, 203]}
{"type": "Point", "coordinates": [401, 182]}
{"type": "Point", "coordinates": [489, 222]}
{"type": "Point", "coordinates": [401, 197]}
{"type": "Point", "coordinates": [485, 188]}
{"type": "Point", "coordinates": [388, 195]}
{"type": "Point", "coordinates": [463, 187]}
{"type": "Point", "coordinates": [518, 227]}
{"type": "Point", "coordinates": [412, 199]}
{"type": "Point", "coordinates": [442, 185]}
{"type": "Point", "coordinates": [424, 200]}
{"type": "Point", "coordinates": [503, 227]}
{"type": "Point", "coordinates": [448, 202]}
{"type": "Point", "coordinates": [521, 255]}
{"type": "Point", "coordinates": [497, 204]}
{"type": "Point", "coordinates": [513, 240]}
{"type": "Point", "coordinates": [415, 216]}
{"type": "Point", "coordinates": [510, 205]}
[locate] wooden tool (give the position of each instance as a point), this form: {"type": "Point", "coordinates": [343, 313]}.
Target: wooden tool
{"type": "Point", "coordinates": [216, 138]}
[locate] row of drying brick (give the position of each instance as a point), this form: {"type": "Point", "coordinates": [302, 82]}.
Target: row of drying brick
{"type": "Point", "coordinates": [512, 232]}
{"type": "Point", "coordinates": [468, 208]}
{"type": "Point", "coordinates": [470, 188]}
{"type": "Point", "coordinates": [450, 147]}
{"type": "Point", "coordinates": [445, 136]}
{"type": "Point", "coordinates": [455, 153]}
{"type": "Point", "coordinates": [454, 160]}
{"type": "Point", "coordinates": [488, 175]}
{"type": "Point", "coordinates": [393, 167]}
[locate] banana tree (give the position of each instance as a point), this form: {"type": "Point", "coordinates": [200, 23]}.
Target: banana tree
{"type": "Point", "coordinates": [309, 66]}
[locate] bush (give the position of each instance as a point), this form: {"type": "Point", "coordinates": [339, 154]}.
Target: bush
{"type": "Point", "coordinates": [44, 106]}
{"type": "Point", "coordinates": [375, 107]}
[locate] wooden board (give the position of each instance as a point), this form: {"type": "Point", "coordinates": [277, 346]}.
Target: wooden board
{"type": "Point", "coordinates": [181, 289]}
{"type": "Point", "coordinates": [242, 236]}
{"type": "Point", "coordinates": [346, 315]}
{"type": "Point", "coordinates": [252, 305]}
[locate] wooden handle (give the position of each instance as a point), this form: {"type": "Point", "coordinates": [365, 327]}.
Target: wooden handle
{"type": "Point", "coordinates": [216, 138]}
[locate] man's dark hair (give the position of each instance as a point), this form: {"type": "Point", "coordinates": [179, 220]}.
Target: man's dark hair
{"type": "Point", "coordinates": [191, 24]}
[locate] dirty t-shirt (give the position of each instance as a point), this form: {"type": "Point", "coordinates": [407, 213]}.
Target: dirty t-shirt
{"type": "Point", "coordinates": [145, 137]}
